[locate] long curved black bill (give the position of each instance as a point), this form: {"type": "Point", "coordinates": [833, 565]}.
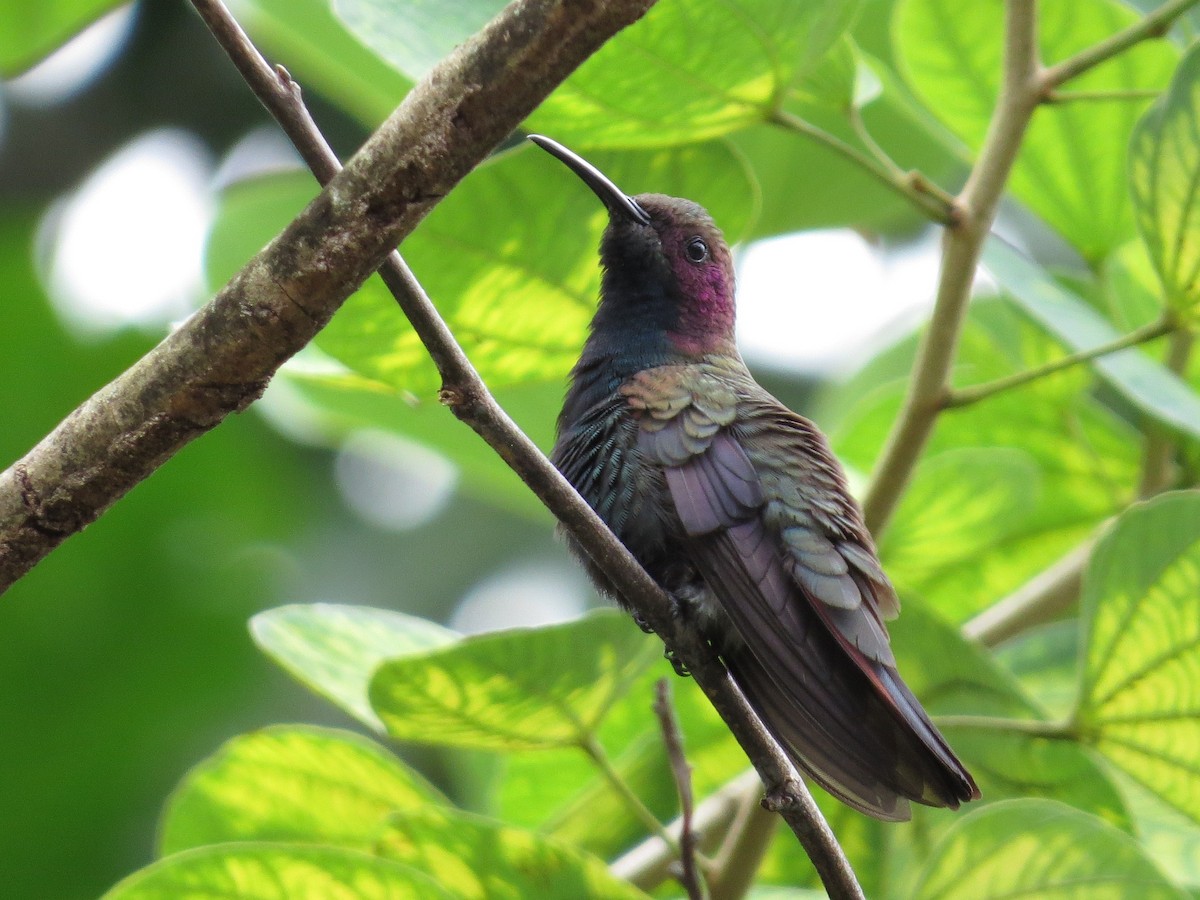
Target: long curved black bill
{"type": "Point", "coordinates": [611, 195]}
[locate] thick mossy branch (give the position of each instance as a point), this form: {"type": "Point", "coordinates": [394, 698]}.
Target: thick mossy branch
{"type": "Point", "coordinates": [221, 359]}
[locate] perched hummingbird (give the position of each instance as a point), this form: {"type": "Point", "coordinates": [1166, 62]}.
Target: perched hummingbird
{"type": "Point", "coordinates": [737, 507]}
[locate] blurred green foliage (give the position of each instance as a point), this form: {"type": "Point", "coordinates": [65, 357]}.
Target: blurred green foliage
{"type": "Point", "coordinates": [126, 655]}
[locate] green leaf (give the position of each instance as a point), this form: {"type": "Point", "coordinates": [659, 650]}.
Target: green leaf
{"type": "Point", "coordinates": [1039, 848]}
{"type": "Point", "coordinates": [953, 676]}
{"type": "Point", "coordinates": [1170, 838]}
{"type": "Point", "coordinates": [692, 70]}
{"type": "Point", "coordinates": [35, 30]}
{"type": "Point", "coordinates": [688, 71]}
{"type": "Point", "coordinates": [1164, 173]}
{"type": "Point", "coordinates": [514, 690]}
{"type": "Point", "coordinates": [959, 504]}
{"type": "Point", "coordinates": [1087, 459]}
{"type": "Point", "coordinates": [323, 56]}
{"type": "Point", "coordinates": [1149, 386]}
{"type": "Point", "coordinates": [478, 858]}
{"type": "Point", "coordinates": [562, 793]}
{"type": "Point", "coordinates": [333, 649]}
{"type": "Point", "coordinates": [1046, 662]}
{"type": "Point", "coordinates": [1071, 167]}
{"type": "Point", "coordinates": [1140, 690]}
{"type": "Point", "coordinates": [291, 783]}
{"type": "Point", "coordinates": [254, 871]}
{"type": "Point", "coordinates": [1132, 291]}
{"type": "Point", "coordinates": [412, 35]}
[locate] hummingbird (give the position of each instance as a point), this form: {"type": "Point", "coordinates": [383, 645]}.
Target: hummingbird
{"type": "Point", "coordinates": [737, 507]}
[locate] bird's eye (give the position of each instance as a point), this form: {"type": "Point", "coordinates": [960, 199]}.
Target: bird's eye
{"type": "Point", "coordinates": [697, 250]}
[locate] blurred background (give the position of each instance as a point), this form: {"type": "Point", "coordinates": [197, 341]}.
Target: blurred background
{"type": "Point", "coordinates": [124, 656]}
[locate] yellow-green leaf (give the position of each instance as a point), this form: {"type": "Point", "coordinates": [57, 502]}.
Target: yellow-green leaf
{"type": "Point", "coordinates": [1071, 168]}
{"type": "Point", "coordinates": [1039, 848]}
{"type": "Point", "coordinates": [481, 859]}
{"type": "Point", "coordinates": [960, 503]}
{"type": "Point", "coordinates": [260, 871]}
{"type": "Point", "coordinates": [292, 783]}
{"type": "Point", "coordinates": [688, 71]}
{"type": "Point", "coordinates": [1164, 173]}
{"type": "Point", "coordinates": [333, 649]}
{"type": "Point", "coordinates": [519, 689]}
{"type": "Point", "coordinates": [1139, 702]}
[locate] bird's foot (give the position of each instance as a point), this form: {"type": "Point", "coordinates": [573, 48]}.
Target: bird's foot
{"type": "Point", "coordinates": [676, 663]}
{"type": "Point", "coordinates": [641, 623]}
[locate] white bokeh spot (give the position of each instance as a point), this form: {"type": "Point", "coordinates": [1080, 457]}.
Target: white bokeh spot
{"type": "Point", "coordinates": [524, 595]}
{"type": "Point", "coordinates": [393, 483]}
{"type": "Point", "coordinates": [126, 247]}
{"type": "Point", "coordinates": [75, 64]}
{"type": "Point", "coordinates": [822, 301]}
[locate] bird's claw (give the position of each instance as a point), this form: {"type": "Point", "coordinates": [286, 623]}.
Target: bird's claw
{"type": "Point", "coordinates": [676, 663]}
{"type": "Point", "coordinates": [641, 623]}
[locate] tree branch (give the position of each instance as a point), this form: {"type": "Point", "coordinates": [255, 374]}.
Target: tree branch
{"type": "Point", "coordinates": [1153, 25]}
{"type": "Point", "coordinates": [221, 359]}
{"type": "Point", "coordinates": [955, 399]}
{"type": "Point", "coordinates": [1020, 94]}
{"type": "Point", "coordinates": [927, 197]}
{"type": "Point", "coordinates": [467, 396]}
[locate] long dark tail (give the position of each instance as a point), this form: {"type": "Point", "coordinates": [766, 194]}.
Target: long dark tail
{"type": "Point", "coordinates": [871, 754]}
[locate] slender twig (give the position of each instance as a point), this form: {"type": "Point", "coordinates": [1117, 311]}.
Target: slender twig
{"type": "Point", "coordinates": [976, 392]}
{"type": "Point", "coordinates": [1159, 456]}
{"type": "Point", "coordinates": [1152, 25]}
{"type": "Point", "coordinates": [931, 201]}
{"type": "Point", "coordinates": [220, 359]}
{"type": "Point", "coordinates": [467, 396]}
{"type": "Point", "coordinates": [1100, 96]}
{"type": "Point", "coordinates": [977, 203]}
{"type": "Point", "coordinates": [1032, 727]}
{"type": "Point", "coordinates": [854, 114]}
{"type": "Point", "coordinates": [689, 875]}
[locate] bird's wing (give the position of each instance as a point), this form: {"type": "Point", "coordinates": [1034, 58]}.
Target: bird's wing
{"type": "Point", "coordinates": [777, 537]}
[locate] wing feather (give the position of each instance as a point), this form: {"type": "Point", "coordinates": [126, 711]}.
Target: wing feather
{"type": "Point", "coordinates": [773, 531]}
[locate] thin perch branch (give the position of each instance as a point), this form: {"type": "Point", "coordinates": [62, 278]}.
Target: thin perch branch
{"type": "Point", "coordinates": [467, 396]}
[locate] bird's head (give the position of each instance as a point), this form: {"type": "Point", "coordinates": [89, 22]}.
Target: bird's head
{"type": "Point", "coordinates": [667, 268]}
